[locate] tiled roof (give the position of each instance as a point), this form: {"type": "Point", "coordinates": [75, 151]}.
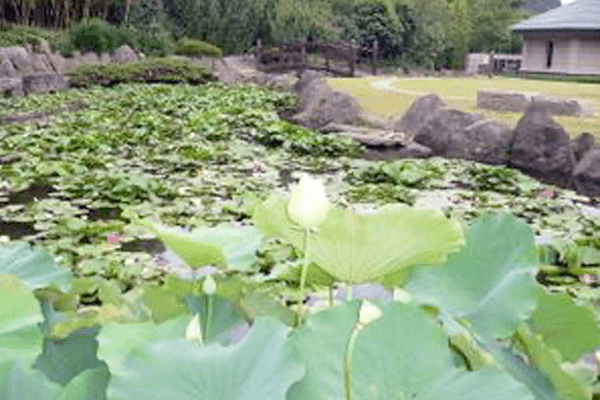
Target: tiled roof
{"type": "Point", "coordinates": [580, 15]}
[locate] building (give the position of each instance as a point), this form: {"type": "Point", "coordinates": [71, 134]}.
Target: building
{"type": "Point", "coordinates": [564, 40]}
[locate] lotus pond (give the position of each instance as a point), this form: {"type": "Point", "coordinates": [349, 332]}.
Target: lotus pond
{"type": "Point", "coordinates": [93, 178]}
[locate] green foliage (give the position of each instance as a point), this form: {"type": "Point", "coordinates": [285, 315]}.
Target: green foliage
{"type": "Point", "coordinates": [21, 35]}
{"type": "Point", "coordinates": [196, 48]}
{"type": "Point", "coordinates": [95, 35]}
{"type": "Point", "coordinates": [150, 70]}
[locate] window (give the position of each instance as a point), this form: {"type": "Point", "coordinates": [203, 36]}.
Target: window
{"type": "Point", "coordinates": [549, 51]}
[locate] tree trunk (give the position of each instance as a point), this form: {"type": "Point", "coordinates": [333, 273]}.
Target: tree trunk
{"type": "Point", "coordinates": [85, 12]}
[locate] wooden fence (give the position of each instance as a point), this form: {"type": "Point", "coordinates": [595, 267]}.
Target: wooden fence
{"type": "Point", "coordinates": [295, 55]}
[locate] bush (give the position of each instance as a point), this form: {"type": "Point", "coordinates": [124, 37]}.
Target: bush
{"type": "Point", "coordinates": [195, 48]}
{"type": "Point", "coordinates": [21, 35]}
{"type": "Point", "coordinates": [151, 70]}
{"type": "Point", "coordinates": [97, 36]}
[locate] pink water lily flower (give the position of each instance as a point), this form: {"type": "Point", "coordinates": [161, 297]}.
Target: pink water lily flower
{"type": "Point", "coordinates": [113, 238]}
{"type": "Point", "coordinates": [547, 194]}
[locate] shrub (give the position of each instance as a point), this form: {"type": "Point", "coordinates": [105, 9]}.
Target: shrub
{"type": "Point", "coordinates": [195, 48]}
{"type": "Point", "coordinates": [21, 35]}
{"type": "Point", "coordinates": [151, 70]}
{"type": "Point", "coordinates": [97, 36]}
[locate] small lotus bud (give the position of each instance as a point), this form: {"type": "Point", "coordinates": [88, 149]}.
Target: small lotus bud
{"type": "Point", "coordinates": [193, 331]}
{"type": "Point", "coordinates": [308, 205]}
{"type": "Point", "coordinates": [209, 286]}
{"type": "Point", "coordinates": [368, 313]}
{"type": "Point", "coordinates": [402, 295]}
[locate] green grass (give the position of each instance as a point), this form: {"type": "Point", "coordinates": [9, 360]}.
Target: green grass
{"type": "Point", "coordinates": [462, 93]}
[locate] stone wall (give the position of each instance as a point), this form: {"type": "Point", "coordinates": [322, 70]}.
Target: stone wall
{"type": "Point", "coordinates": [23, 70]}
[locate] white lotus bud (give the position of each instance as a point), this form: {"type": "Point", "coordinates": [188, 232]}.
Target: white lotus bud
{"type": "Point", "coordinates": [402, 295]}
{"type": "Point", "coordinates": [368, 313]}
{"type": "Point", "coordinates": [308, 205]}
{"type": "Point", "coordinates": [193, 331]}
{"type": "Point", "coordinates": [209, 286]}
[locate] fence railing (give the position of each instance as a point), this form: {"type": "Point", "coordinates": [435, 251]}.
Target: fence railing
{"type": "Point", "coordinates": [295, 55]}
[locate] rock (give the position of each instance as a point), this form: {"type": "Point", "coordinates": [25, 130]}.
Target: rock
{"type": "Point", "coordinates": [440, 127]}
{"type": "Point", "coordinates": [377, 138]}
{"type": "Point", "coordinates": [11, 87]}
{"type": "Point", "coordinates": [418, 113]}
{"type": "Point", "coordinates": [319, 105]}
{"type": "Point", "coordinates": [586, 174]}
{"type": "Point", "coordinates": [43, 83]}
{"type": "Point", "coordinates": [277, 81]}
{"type": "Point", "coordinates": [486, 141]}
{"type": "Point", "coordinates": [105, 58]}
{"type": "Point", "coordinates": [124, 54]}
{"type": "Point", "coordinates": [25, 62]}
{"type": "Point", "coordinates": [582, 145]}
{"type": "Point", "coordinates": [502, 101]}
{"type": "Point", "coordinates": [541, 147]}
{"type": "Point", "coordinates": [559, 106]}
{"type": "Point", "coordinates": [7, 70]}
{"type": "Point", "coordinates": [306, 78]}
{"type": "Point", "coordinates": [88, 58]}
{"type": "Point", "coordinates": [412, 150]}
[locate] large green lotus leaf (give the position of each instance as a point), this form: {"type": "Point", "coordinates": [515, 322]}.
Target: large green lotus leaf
{"type": "Point", "coordinates": [262, 366]}
{"type": "Point", "coordinates": [364, 248]}
{"type": "Point", "coordinates": [490, 282]}
{"type": "Point", "coordinates": [20, 314]}
{"type": "Point", "coordinates": [566, 386]}
{"type": "Point", "coordinates": [20, 383]}
{"type": "Point", "coordinates": [226, 246]}
{"type": "Point", "coordinates": [62, 360]}
{"type": "Point", "coordinates": [565, 326]}
{"type": "Point", "coordinates": [117, 340]}
{"type": "Point", "coordinates": [404, 355]}
{"type": "Point", "coordinates": [33, 266]}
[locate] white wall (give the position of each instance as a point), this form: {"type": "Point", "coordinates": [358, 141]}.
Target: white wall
{"type": "Point", "coordinates": [573, 53]}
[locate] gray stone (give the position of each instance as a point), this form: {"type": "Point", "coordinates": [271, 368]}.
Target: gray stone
{"type": "Point", "coordinates": [440, 127]}
{"type": "Point", "coordinates": [43, 83]}
{"type": "Point", "coordinates": [586, 174]}
{"type": "Point", "coordinates": [11, 87]}
{"type": "Point", "coordinates": [41, 64]}
{"type": "Point", "coordinates": [582, 145]}
{"type": "Point", "coordinates": [7, 70]}
{"type": "Point", "coordinates": [26, 62]}
{"type": "Point", "coordinates": [124, 54]}
{"type": "Point", "coordinates": [559, 106]}
{"type": "Point", "coordinates": [502, 101]}
{"type": "Point", "coordinates": [412, 150]}
{"type": "Point", "coordinates": [486, 141]}
{"type": "Point", "coordinates": [423, 108]}
{"type": "Point", "coordinates": [541, 147]}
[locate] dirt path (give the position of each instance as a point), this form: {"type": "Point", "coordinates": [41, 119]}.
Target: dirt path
{"type": "Point", "coordinates": [386, 85]}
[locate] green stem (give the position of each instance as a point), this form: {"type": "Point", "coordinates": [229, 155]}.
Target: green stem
{"type": "Point", "coordinates": [331, 296]}
{"type": "Point", "coordinates": [348, 292]}
{"type": "Point", "coordinates": [209, 316]}
{"type": "Point", "coordinates": [304, 263]}
{"type": "Point", "coordinates": [348, 363]}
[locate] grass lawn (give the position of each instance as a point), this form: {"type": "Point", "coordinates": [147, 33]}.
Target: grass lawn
{"type": "Point", "coordinates": [462, 93]}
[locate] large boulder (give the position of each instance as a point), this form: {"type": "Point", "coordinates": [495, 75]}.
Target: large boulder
{"type": "Point", "coordinates": [486, 141]}
{"type": "Point", "coordinates": [586, 174]}
{"type": "Point", "coordinates": [277, 81]}
{"type": "Point", "coordinates": [559, 106]}
{"type": "Point", "coordinates": [7, 70]}
{"type": "Point", "coordinates": [11, 87]}
{"type": "Point", "coordinates": [43, 83]}
{"type": "Point", "coordinates": [319, 105]}
{"type": "Point", "coordinates": [582, 145]}
{"type": "Point", "coordinates": [124, 54]}
{"type": "Point", "coordinates": [541, 147]}
{"type": "Point", "coordinates": [26, 62]}
{"type": "Point", "coordinates": [439, 128]}
{"type": "Point", "coordinates": [502, 100]}
{"type": "Point", "coordinates": [417, 114]}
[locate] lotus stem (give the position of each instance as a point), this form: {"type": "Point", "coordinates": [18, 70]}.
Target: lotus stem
{"type": "Point", "coordinates": [209, 316]}
{"type": "Point", "coordinates": [331, 296]}
{"type": "Point", "coordinates": [304, 263]}
{"type": "Point", "coordinates": [348, 361]}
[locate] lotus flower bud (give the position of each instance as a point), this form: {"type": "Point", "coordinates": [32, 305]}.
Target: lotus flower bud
{"type": "Point", "coordinates": [193, 331]}
{"type": "Point", "coordinates": [308, 206]}
{"type": "Point", "coordinates": [209, 286]}
{"type": "Point", "coordinates": [368, 313]}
